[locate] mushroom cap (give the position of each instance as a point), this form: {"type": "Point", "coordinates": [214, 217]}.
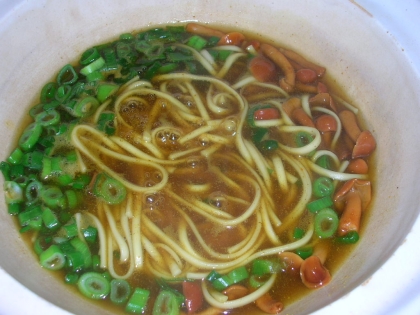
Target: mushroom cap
{"type": "Point", "coordinates": [313, 273]}
{"type": "Point", "coordinates": [365, 145]}
{"type": "Point", "coordinates": [291, 261]}
{"type": "Point", "coordinates": [361, 187]}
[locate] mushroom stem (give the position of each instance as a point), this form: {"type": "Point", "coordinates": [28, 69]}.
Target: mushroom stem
{"type": "Point", "coordinates": [288, 82]}
{"type": "Point", "coordinates": [235, 291]}
{"type": "Point", "coordinates": [349, 122]}
{"type": "Point", "coordinates": [323, 99]}
{"type": "Point", "coordinates": [202, 30]}
{"type": "Point", "coordinates": [300, 117]}
{"type": "Point", "coordinates": [350, 218]}
{"type": "Point", "coordinates": [294, 56]}
{"type": "Point", "coordinates": [290, 105]}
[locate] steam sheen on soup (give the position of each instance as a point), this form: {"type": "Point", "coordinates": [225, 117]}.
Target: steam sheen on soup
{"type": "Point", "coordinates": [190, 170]}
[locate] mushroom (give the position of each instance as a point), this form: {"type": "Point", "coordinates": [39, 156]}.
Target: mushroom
{"type": "Point", "coordinates": [364, 141]}
{"type": "Point", "coordinates": [304, 63]}
{"type": "Point", "coordinates": [288, 82]}
{"type": "Point", "coordinates": [202, 30]}
{"type": "Point", "coordinates": [291, 262]}
{"type": "Point", "coordinates": [323, 99]}
{"type": "Point", "coordinates": [327, 125]}
{"type": "Point", "coordinates": [235, 291]}
{"type": "Point", "coordinates": [354, 196]}
{"type": "Point", "coordinates": [357, 166]}
{"type": "Point", "coordinates": [312, 271]}
{"type": "Point", "coordinates": [300, 117]}
{"type": "Point", "coordinates": [290, 105]}
{"type": "Point", "coordinates": [365, 145]}
{"type": "Point", "coordinates": [268, 305]}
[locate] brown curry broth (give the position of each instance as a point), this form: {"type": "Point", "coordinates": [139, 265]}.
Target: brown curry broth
{"type": "Point", "coordinates": [288, 289]}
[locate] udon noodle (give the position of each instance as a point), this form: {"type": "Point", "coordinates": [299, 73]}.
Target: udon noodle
{"type": "Point", "coordinates": [222, 167]}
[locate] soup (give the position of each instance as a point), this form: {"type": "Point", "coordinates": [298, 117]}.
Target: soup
{"type": "Point", "coordinates": [191, 170]}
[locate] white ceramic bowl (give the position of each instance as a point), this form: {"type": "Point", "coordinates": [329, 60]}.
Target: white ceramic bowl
{"type": "Point", "coordinates": [369, 48]}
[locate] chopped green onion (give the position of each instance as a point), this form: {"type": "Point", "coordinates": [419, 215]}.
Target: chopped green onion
{"type": "Point", "coordinates": [95, 76]}
{"type": "Point", "coordinates": [268, 145]}
{"type": "Point", "coordinates": [107, 275]}
{"type": "Point", "coordinates": [126, 36]}
{"type": "Point", "coordinates": [90, 234]}
{"type": "Point", "coordinates": [222, 283]}
{"type": "Point", "coordinates": [33, 190]}
{"type": "Point", "coordinates": [52, 258]}
{"type": "Point", "coordinates": [30, 136]}
{"type": "Point", "coordinates": [326, 223]}
{"type": "Point", "coordinates": [51, 117]}
{"type": "Point", "coordinates": [5, 170]}
{"type": "Point", "coordinates": [106, 90]}
{"type": "Point", "coordinates": [323, 186]}
{"type": "Point", "coordinates": [238, 274]}
{"type": "Point", "coordinates": [64, 179]}
{"type": "Point", "coordinates": [48, 92]}
{"type": "Point", "coordinates": [177, 57]}
{"type": "Point", "coordinates": [41, 244]}
{"type": "Point", "coordinates": [168, 68]}
{"type": "Point", "coordinates": [316, 205]}
{"type": "Point", "coordinates": [75, 260]}
{"type": "Point", "coordinates": [212, 41]}
{"type": "Point", "coordinates": [72, 198]}
{"type": "Point", "coordinates": [13, 192]}
{"type": "Point", "coordinates": [197, 42]}
{"type": "Point", "coordinates": [89, 56]}
{"type": "Point", "coordinates": [86, 106]}
{"type": "Point", "coordinates": [235, 276]}
{"type": "Point", "coordinates": [138, 301]}
{"type": "Point", "coordinates": [262, 267]}
{"type": "Point", "coordinates": [82, 248]}
{"type": "Point", "coordinates": [303, 138]}
{"type": "Point", "coordinates": [93, 285]}
{"type": "Point", "coordinates": [351, 237]}
{"type": "Point", "coordinates": [70, 230]}
{"type": "Point", "coordinates": [51, 196]}
{"type": "Point", "coordinates": [33, 160]}
{"type": "Point", "coordinates": [120, 291]}
{"type": "Point", "coordinates": [111, 190]}
{"type": "Point", "coordinates": [223, 54]}
{"type": "Point", "coordinates": [93, 66]}
{"type": "Point", "coordinates": [166, 304]}
{"type": "Point", "coordinates": [50, 219]}
{"type": "Point", "coordinates": [67, 75]}
{"type": "Point", "coordinates": [96, 262]}
{"type": "Point", "coordinates": [15, 157]}
{"type": "Point", "coordinates": [81, 181]}
{"type": "Point", "coordinates": [30, 214]}
{"type": "Point", "coordinates": [16, 171]}
{"type": "Point", "coordinates": [324, 161]}
{"type": "Point", "coordinates": [258, 134]}
{"type": "Point", "coordinates": [213, 275]}
{"type": "Point", "coordinates": [298, 233]}
{"type": "Point", "coordinates": [304, 252]}
{"type": "Point", "coordinates": [71, 278]}
{"type": "Point", "coordinates": [63, 93]}
{"type": "Point", "coordinates": [14, 208]}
